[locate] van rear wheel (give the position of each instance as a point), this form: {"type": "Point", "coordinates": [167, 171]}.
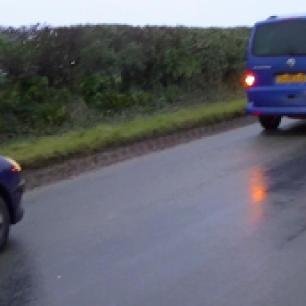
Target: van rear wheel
{"type": "Point", "coordinates": [270, 123]}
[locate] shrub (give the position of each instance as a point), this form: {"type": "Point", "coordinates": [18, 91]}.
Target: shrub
{"type": "Point", "coordinates": [114, 69]}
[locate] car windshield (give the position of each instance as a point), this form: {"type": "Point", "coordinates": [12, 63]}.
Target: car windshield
{"type": "Point", "coordinates": [280, 38]}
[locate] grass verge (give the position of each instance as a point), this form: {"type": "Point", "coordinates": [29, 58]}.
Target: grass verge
{"type": "Point", "coordinates": [41, 151]}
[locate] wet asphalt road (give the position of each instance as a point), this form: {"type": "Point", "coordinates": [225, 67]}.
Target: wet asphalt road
{"type": "Point", "coordinates": [218, 221]}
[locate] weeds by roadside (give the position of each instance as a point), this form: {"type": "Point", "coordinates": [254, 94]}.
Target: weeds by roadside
{"type": "Point", "coordinates": [43, 150]}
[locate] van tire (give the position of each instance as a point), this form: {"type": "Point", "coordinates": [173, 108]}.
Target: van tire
{"type": "Point", "coordinates": [5, 224]}
{"type": "Point", "coordinates": [270, 123]}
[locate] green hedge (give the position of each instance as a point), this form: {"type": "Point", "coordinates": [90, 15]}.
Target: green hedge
{"type": "Point", "coordinates": [52, 77]}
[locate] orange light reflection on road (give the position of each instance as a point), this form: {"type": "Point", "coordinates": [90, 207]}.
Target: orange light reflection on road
{"type": "Point", "coordinates": [258, 186]}
{"type": "Point", "coordinates": [258, 194]}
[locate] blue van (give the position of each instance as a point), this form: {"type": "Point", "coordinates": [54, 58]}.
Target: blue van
{"type": "Point", "coordinates": [275, 79]}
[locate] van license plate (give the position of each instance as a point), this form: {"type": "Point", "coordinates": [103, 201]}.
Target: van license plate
{"type": "Point", "coordinates": [291, 78]}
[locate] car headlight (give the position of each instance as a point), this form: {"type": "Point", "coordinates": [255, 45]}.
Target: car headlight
{"type": "Point", "coordinates": [15, 166]}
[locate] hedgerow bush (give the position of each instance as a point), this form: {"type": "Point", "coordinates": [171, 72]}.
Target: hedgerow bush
{"type": "Point", "coordinates": [45, 71]}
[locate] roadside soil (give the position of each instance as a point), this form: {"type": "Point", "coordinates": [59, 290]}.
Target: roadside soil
{"type": "Point", "coordinates": [74, 166]}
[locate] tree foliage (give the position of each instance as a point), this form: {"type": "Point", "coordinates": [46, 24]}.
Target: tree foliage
{"type": "Point", "coordinates": [45, 72]}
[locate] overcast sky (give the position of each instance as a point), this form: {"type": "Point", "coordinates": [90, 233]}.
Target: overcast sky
{"type": "Point", "coordinates": [143, 12]}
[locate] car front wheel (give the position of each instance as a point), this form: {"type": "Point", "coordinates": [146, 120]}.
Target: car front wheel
{"type": "Point", "coordinates": [270, 123]}
{"type": "Point", "coordinates": [4, 224]}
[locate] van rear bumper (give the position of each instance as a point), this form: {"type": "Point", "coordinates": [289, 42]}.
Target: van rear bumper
{"type": "Point", "coordinates": [285, 96]}
{"type": "Point", "coordinates": [291, 111]}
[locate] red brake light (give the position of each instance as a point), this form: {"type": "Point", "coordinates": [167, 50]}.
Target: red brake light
{"type": "Point", "coordinates": [249, 79]}
{"type": "Point", "coordinates": [15, 167]}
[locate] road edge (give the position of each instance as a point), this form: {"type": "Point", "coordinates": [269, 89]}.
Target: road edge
{"type": "Point", "coordinates": [75, 166]}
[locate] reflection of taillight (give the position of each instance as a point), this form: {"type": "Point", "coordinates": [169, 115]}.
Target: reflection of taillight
{"type": "Point", "coordinates": [249, 79]}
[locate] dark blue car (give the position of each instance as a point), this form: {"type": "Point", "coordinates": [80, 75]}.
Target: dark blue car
{"type": "Point", "coordinates": [275, 79]}
{"type": "Point", "coordinates": [11, 190]}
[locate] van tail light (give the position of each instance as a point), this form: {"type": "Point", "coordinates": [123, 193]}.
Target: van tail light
{"type": "Point", "coordinates": [249, 79]}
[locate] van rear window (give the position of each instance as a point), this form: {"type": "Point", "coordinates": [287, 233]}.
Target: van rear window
{"type": "Point", "coordinates": [280, 38]}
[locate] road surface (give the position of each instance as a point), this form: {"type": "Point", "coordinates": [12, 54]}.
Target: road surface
{"type": "Point", "coordinates": [220, 221]}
